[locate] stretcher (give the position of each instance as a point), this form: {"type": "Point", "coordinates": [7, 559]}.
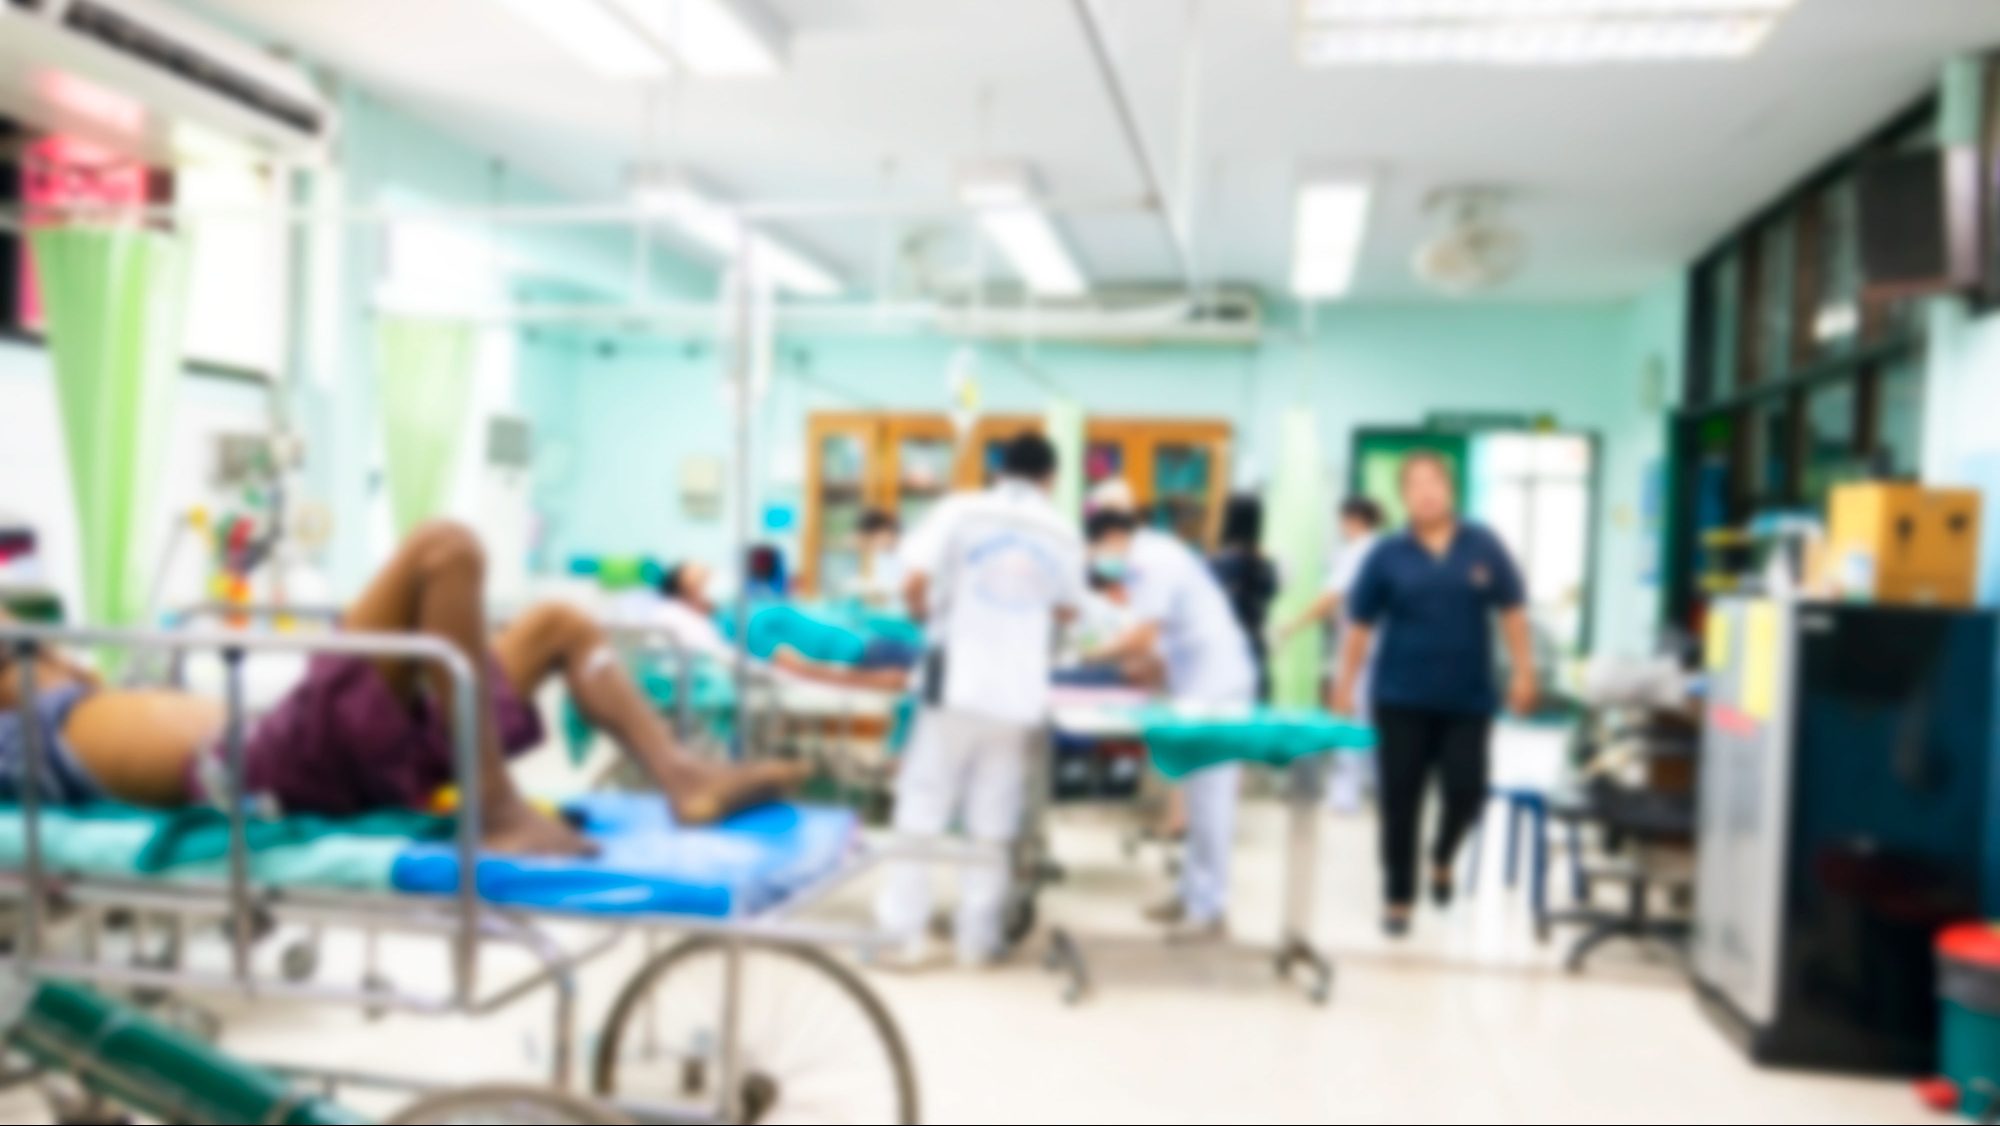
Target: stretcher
{"type": "Point", "coordinates": [97, 903]}
{"type": "Point", "coordinates": [1179, 741]}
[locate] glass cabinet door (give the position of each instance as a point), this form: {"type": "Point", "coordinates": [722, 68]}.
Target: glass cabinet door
{"type": "Point", "coordinates": [1183, 485]}
{"type": "Point", "coordinates": [924, 468]}
{"type": "Point", "coordinates": [842, 460]}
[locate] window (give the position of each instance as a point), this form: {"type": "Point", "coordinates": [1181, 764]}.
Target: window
{"type": "Point", "coordinates": [1534, 491]}
{"type": "Point", "coordinates": [1776, 274]}
{"type": "Point", "coordinates": [1899, 407]}
{"type": "Point", "coordinates": [1837, 320]}
{"type": "Point", "coordinates": [1796, 382]}
{"type": "Point", "coordinates": [1834, 452]}
{"type": "Point", "coordinates": [238, 300]}
{"type": "Point", "coordinates": [1724, 304]}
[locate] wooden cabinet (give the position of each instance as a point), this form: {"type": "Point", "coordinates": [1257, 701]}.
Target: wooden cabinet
{"type": "Point", "coordinates": [1178, 469]}
{"type": "Point", "coordinates": [904, 463]}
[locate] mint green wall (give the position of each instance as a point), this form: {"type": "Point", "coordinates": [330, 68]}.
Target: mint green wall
{"type": "Point", "coordinates": [389, 157]}
{"type": "Point", "coordinates": [617, 415]}
{"type": "Point", "coordinates": [1648, 375]}
{"type": "Point", "coordinates": [634, 411]}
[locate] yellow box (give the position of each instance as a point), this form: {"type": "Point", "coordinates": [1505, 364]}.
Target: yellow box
{"type": "Point", "coordinates": [1904, 543]}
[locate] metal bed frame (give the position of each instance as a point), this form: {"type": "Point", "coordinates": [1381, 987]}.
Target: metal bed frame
{"type": "Point", "coordinates": [1304, 785]}
{"type": "Point", "coordinates": [464, 921]}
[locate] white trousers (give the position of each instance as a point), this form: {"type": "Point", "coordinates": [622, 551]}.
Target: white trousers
{"type": "Point", "coordinates": [970, 768]}
{"type": "Point", "coordinates": [1211, 836]}
{"type": "Point", "coordinates": [1211, 796]}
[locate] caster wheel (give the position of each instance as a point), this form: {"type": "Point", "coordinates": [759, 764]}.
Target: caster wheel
{"type": "Point", "coordinates": [300, 961]}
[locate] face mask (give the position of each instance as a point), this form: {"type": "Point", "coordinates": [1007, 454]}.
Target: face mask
{"type": "Point", "coordinates": [1109, 568]}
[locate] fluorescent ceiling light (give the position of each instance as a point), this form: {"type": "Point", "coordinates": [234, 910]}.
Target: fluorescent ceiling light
{"type": "Point", "coordinates": [1332, 225]}
{"type": "Point", "coordinates": [596, 35]}
{"type": "Point", "coordinates": [718, 228]}
{"type": "Point", "coordinates": [716, 38]}
{"type": "Point", "coordinates": [1022, 231]}
{"type": "Point", "coordinates": [1533, 32]}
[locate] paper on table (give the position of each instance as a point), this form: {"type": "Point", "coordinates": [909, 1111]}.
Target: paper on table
{"type": "Point", "coordinates": [1760, 660]}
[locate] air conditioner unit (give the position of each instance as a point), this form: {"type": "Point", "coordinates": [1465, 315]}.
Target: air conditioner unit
{"type": "Point", "coordinates": [142, 79]}
{"type": "Point", "coordinates": [1229, 318]}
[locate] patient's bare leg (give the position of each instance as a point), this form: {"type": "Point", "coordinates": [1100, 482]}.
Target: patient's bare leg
{"type": "Point", "coordinates": [435, 584]}
{"type": "Point", "coordinates": [555, 639]}
{"type": "Point", "coordinates": [841, 676]}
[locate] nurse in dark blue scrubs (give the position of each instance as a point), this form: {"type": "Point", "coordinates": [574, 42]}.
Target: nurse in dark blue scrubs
{"type": "Point", "coordinates": [1433, 593]}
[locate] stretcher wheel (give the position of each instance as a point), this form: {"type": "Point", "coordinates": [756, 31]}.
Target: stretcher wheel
{"type": "Point", "coordinates": [813, 1043]}
{"type": "Point", "coordinates": [508, 1105]}
{"type": "Point", "coordinates": [300, 960]}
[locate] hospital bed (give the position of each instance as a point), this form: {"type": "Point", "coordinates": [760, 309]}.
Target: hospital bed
{"type": "Point", "coordinates": [99, 899]}
{"type": "Point", "coordinates": [1297, 744]}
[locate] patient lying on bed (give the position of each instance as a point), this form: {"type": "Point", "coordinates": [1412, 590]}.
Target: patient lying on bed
{"type": "Point", "coordinates": [684, 609]}
{"type": "Point", "coordinates": [361, 734]}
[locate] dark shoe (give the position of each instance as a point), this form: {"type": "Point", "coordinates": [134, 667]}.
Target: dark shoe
{"type": "Point", "coordinates": [1396, 926]}
{"type": "Point", "coordinates": [1442, 891]}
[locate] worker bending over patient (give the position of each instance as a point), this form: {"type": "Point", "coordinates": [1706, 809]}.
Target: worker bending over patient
{"type": "Point", "coordinates": [361, 734]}
{"type": "Point", "coordinates": [1182, 609]}
{"type": "Point", "coordinates": [993, 574]}
{"type": "Point", "coordinates": [1433, 592]}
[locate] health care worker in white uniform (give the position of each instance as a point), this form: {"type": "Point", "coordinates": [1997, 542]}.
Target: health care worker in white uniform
{"type": "Point", "coordinates": [1183, 611]}
{"type": "Point", "coordinates": [994, 574]}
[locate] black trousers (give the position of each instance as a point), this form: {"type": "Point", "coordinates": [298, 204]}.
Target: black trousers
{"type": "Point", "coordinates": [1412, 744]}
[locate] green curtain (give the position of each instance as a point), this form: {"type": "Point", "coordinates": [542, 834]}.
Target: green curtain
{"type": "Point", "coordinates": [114, 304]}
{"type": "Point", "coordinates": [424, 377]}
{"type": "Point", "coordinates": [1298, 512]}
{"type": "Point", "coordinates": [1065, 428]}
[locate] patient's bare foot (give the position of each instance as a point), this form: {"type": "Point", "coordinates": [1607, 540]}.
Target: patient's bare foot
{"type": "Point", "coordinates": [526, 831]}
{"type": "Point", "coordinates": [731, 789]}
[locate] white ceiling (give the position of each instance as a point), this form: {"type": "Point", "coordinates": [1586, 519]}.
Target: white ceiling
{"type": "Point", "coordinates": [1619, 172]}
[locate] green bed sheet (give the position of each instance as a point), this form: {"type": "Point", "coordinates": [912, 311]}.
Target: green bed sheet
{"type": "Point", "coordinates": [111, 840]}
{"type": "Point", "coordinates": [1181, 742]}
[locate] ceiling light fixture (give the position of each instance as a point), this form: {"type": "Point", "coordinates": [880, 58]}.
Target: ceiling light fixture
{"type": "Point", "coordinates": [1011, 217]}
{"type": "Point", "coordinates": [713, 38]}
{"type": "Point", "coordinates": [598, 36]}
{"type": "Point", "coordinates": [1532, 32]}
{"type": "Point", "coordinates": [715, 226]}
{"type": "Point", "coordinates": [1330, 229]}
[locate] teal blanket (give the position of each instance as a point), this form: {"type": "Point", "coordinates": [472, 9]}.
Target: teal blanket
{"type": "Point", "coordinates": [114, 840]}
{"type": "Point", "coordinates": [1181, 744]}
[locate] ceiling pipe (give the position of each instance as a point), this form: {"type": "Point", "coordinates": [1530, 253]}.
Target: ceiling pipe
{"type": "Point", "coordinates": [1135, 138]}
{"type": "Point", "coordinates": [618, 214]}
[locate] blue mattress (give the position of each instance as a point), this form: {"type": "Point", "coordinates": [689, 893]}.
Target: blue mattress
{"type": "Point", "coordinates": [650, 866]}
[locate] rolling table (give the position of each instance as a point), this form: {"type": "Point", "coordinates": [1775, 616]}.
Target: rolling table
{"type": "Point", "coordinates": [1179, 741]}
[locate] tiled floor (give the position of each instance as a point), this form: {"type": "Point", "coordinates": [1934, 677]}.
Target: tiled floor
{"type": "Point", "coordinates": [1469, 1022]}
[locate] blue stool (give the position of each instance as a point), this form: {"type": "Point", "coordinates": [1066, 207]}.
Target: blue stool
{"type": "Point", "coordinates": [1532, 807]}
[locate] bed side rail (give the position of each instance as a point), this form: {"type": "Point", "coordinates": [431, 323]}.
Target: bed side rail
{"type": "Point", "coordinates": [234, 647]}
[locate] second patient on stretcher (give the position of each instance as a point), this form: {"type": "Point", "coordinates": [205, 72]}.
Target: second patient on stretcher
{"type": "Point", "coordinates": [362, 734]}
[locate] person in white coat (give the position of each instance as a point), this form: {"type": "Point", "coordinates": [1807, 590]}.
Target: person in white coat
{"type": "Point", "coordinates": [993, 575]}
{"type": "Point", "coordinates": [1183, 611]}
{"type": "Point", "coordinates": [1360, 528]}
